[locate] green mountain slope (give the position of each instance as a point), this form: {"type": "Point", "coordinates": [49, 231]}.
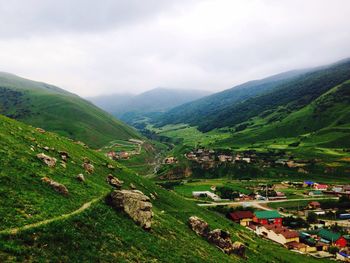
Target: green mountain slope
{"type": "Point", "coordinates": [325, 122]}
{"type": "Point", "coordinates": [80, 227]}
{"type": "Point", "coordinates": [244, 102]}
{"type": "Point", "coordinates": [54, 109]}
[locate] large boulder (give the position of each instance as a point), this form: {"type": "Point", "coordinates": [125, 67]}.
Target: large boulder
{"type": "Point", "coordinates": [218, 237]}
{"type": "Point", "coordinates": [239, 249]}
{"type": "Point", "coordinates": [49, 161]}
{"type": "Point", "coordinates": [222, 240]}
{"type": "Point", "coordinates": [199, 226]}
{"type": "Point", "coordinates": [135, 204]}
{"type": "Point", "coordinates": [114, 181]}
{"type": "Point", "coordinates": [60, 188]}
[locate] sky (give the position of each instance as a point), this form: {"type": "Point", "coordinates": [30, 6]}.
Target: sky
{"type": "Point", "coordinates": [112, 46]}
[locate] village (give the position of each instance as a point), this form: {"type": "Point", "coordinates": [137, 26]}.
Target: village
{"type": "Point", "coordinates": [317, 223]}
{"type": "Point", "coordinates": [211, 158]}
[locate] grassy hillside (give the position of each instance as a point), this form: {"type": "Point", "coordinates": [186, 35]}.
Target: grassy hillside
{"type": "Point", "coordinates": [241, 103]}
{"type": "Point", "coordinates": [323, 123]}
{"type": "Point", "coordinates": [94, 231]}
{"type": "Point", "coordinates": [54, 109]}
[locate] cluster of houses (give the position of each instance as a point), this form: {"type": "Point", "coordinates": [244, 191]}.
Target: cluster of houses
{"type": "Point", "coordinates": [206, 156]}
{"type": "Point", "coordinates": [320, 189]}
{"type": "Point", "coordinates": [210, 157]}
{"type": "Point", "coordinates": [118, 155]}
{"type": "Point", "coordinates": [269, 224]}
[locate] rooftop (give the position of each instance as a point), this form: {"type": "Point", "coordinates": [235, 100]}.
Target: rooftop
{"type": "Point", "coordinates": [241, 215]}
{"type": "Point", "coordinates": [329, 235]}
{"type": "Point", "coordinates": [267, 214]}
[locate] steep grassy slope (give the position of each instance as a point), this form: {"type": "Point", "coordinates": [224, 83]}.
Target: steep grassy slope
{"type": "Point", "coordinates": [54, 109]}
{"type": "Point", "coordinates": [98, 233]}
{"type": "Point", "coordinates": [323, 123]}
{"type": "Point", "coordinates": [243, 102]}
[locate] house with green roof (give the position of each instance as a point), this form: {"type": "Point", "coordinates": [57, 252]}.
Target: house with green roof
{"type": "Point", "coordinates": [267, 217]}
{"type": "Point", "coordinates": [333, 238]}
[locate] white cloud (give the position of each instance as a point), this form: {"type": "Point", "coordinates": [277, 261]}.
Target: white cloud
{"type": "Point", "coordinates": [132, 46]}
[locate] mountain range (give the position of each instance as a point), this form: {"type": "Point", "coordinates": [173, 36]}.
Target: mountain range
{"type": "Point", "coordinates": [155, 100]}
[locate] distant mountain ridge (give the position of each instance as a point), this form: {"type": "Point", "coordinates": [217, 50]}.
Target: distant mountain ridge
{"type": "Point", "coordinates": [294, 89]}
{"type": "Point", "coordinates": [155, 100]}
{"type": "Point", "coordinates": [52, 108]}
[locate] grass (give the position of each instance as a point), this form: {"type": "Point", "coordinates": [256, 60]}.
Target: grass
{"type": "Point", "coordinates": [56, 110]}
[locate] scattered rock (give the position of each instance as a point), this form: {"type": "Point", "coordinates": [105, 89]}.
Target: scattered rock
{"type": "Point", "coordinates": [110, 166]}
{"type": "Point", "coordinates": [239, 249]}
{"type": "Point", "coordinates": [199, 226]}
{"type": "Point", "coordinates": [63, 164]}
{"type": "Point", "coordinates": [50, 161]}
{"type": "Point", "coordinates": [40, 130]}
{"type": "Point", "coordinates": [60, 188]}
{"type": "Point", "coordinates": [218, 237]}
{"type": "Point", "coordinates": [46, 148]}
{"type": "Point", "coordinates": [88, 167]}
{"type": "Point", "coordinates": [152, 196]}
{"type": "Point", "coordinates": [80, 178]}
{"type": "Point", "coordinates": [114, 181]}
{"type": "Point", "coordinates": [135, 204]}
{"type": "Point", "coordinates": [64, 155]}
{"type": "Point", "coordinates": [132, 186]}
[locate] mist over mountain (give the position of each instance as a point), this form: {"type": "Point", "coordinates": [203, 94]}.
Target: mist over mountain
{"type": "Point", "coordinates": [155, 100]}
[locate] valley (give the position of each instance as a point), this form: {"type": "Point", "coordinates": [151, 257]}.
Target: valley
{"type": "Point", "coordinates": [275, 184]}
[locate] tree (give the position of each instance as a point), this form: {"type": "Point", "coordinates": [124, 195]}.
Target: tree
{"type": "Point", "coordinates": [311, 218]}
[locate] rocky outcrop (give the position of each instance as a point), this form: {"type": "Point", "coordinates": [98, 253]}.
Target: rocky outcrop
{"type": "Point", "coordinates": [221, 239]}
{"type": "Point", "coordinates": [60, 188]}
{"type": "Point", "coordinates": [218, 237]}
{"type": "Point", "coordinates": [114, 181]}
{"type": "Point", "coordinates": [49, 161]}
{"type": "Point", "coordinates": [135, 204]}
{"type": "Point", "coordinates": [199, 226]}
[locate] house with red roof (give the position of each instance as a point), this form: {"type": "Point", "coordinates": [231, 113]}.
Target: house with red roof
{"type": "Point", "coordinates": [242, 217]}
{"type": "Point", "coordinates": [322, 187]}
{"type": "Point", "coordinates": [314, 205]}
{"type": "Point", "coordinates": [279, 234]}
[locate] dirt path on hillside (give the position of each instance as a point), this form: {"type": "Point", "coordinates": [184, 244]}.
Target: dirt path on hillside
{"type": "Point", "coordinates": [13, 231]}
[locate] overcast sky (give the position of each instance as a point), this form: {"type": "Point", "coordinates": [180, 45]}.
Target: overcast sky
{"type": "Point", "coordinates": [114, 46]}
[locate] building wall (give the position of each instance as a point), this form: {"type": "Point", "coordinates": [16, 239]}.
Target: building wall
{"type": "Point", "coordinates": [273, 236]}
{"type": "Point", "coordinates": [341, 242]}
{"type": "Point", "coordinates": [245, 221]}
